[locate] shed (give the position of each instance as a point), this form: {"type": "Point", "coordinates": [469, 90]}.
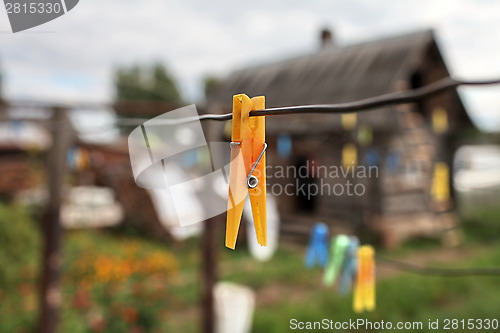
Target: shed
{"type": "Point", "coordinates": [405, 143]}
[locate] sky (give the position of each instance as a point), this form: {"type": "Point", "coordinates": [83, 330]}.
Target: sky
{"type": "Point", "coordinates": [72, 58]}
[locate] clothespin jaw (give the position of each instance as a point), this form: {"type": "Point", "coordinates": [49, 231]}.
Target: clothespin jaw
{"type": "Point", "coordinates": [364, 293]}
{"type": "Point", "coordinates": [247, 172]}
{"type": "Point", "coordinates": [258, 192]}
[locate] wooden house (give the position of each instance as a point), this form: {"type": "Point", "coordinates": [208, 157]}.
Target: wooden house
{"type": "Point", "coordinates": [404, 142]}
{"type": "Point", "coordinates": [22, 145]}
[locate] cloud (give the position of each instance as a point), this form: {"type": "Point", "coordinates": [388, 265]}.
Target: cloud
{"type": "Point", "coordinates": [72, 57]}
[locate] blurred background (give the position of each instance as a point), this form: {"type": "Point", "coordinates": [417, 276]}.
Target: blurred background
{"type": "Point", "coordinates": [84, 249]}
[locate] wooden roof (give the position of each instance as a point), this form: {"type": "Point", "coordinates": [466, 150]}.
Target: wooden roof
{"type": "Point", "coordinates": [333, 75]}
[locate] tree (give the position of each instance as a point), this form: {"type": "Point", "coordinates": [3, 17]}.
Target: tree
{"type": "Point", "coordinates": [128, 84]}
{"type": "Point", "coordinates": [163, 86]}
{"type": "Point", "coordinates": [210, 85]}
{"type": "Point", "coordinates": [152, 83]}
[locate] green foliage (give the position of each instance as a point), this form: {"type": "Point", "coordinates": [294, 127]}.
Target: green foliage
{"type": "Point", "coordinates": [153, 83]}
{"type": "Point", "coordinates": [480, 223]}
{"type": "Point", "coordinates": [19, 254]}
{"type": "Point", "coordinates": [149, 297]}
{"type": "Point", "coordinates": [110, 283]}
{"type": "Point", "coordinates": [210, 85]}
{"type": "Point", "coordinates": [115, 284]}
{"type": "Point", "coordinates": [20, 245]}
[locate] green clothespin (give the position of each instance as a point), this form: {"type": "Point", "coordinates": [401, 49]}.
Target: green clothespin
{"type": "Point", "coordinates": [338, 247]}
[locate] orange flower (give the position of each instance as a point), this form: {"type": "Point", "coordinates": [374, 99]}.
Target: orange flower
{"type": "Point", "coordinates": [115, 268]}
{"type": "Point", "coordinates": [130, 314]}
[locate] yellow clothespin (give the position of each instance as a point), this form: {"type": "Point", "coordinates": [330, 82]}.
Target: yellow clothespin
{"type": "Point", "coordinates": [439, 120]}
{"type": "Point", "coordinates": [441, 182]}
{"type": "Point", "coordinates": [349, 156]}
{"type": "Point", "coordinates": [247, 172]}
{"type": "Point", "coordinates": [348, 120]}
{"type": "Point", "coordinates": [364, 291]}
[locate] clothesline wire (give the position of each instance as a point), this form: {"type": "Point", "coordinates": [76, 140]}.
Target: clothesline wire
{"type": "Point", "coordinates": [401, 97]}
{"type": "Point", "coordinates": [435, 271]}
{"type": "Point", "coordinates": [367, 104]}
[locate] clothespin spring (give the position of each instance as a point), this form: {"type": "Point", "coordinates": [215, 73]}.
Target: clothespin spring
{"type": "Point", "coordinates": [252, 181]}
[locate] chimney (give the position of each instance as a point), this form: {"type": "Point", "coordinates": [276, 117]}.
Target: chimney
{"type": "Point", "coordinates": [326, 38]}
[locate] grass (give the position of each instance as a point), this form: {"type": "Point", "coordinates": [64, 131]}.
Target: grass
{"type": "Point", "coordinates": [482, 224]}
{"type": "Point", "coordinates": [284, 289]}
{"type": "Point", "coordinates": [401, 298]}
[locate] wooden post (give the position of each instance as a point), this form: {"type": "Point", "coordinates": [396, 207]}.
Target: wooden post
{"type": "Point", "coordinates": [209, 275]}
{"type": "Point", "coordinates": [50, 294]}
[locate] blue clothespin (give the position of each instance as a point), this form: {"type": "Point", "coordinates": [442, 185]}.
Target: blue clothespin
{"type": "Point", "coordinates": [372, 157]}
{"type": "Point", "coordinates": [71, 158]}
{"type": "Point", "coordinates": [350, 266]}
{"type": "Point", "coordinates": [318, 246]}
{"type": "Point", "coordinates": [392, 161]}
{"type": "Point", "coordinates": [284, 146]}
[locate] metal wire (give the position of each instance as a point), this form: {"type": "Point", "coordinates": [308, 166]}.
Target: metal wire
{"type": "Point", "coordinates": [401, 97]}
{"type": "Point", "coordinates": [434, 271]}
